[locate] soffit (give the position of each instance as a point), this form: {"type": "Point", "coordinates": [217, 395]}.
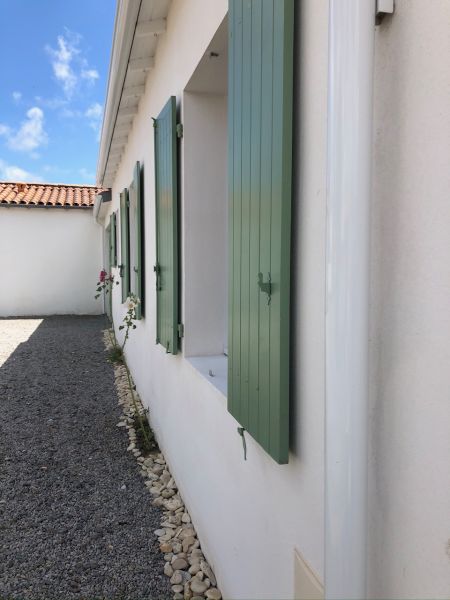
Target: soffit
{"type": "Point", "coordinates": [137, 29]}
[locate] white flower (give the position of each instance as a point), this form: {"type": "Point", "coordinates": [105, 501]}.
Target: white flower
{"type": "Point", "coordinates": [131, 304]}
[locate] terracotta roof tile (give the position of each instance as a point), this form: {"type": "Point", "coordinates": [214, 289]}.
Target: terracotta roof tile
{"type": "Point", "coordinates": [48, 194]}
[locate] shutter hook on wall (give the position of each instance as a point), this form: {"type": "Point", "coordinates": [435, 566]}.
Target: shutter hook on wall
{"type": "Point", "coordinates": [265, 286]}
{"type": "Point", "coordinates": [157, 270]}
{"type": "Point", "coordinates": [240, 431]}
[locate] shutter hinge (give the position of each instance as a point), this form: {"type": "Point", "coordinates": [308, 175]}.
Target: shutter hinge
{"type": "Point", "coordinates": [179, 130]}
{"type": "Point", "coordinates": [155, 124]}
{"type": "Point", "coordinates": [180, 330]}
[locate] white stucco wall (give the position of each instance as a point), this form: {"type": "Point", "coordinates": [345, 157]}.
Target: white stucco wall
{"type": "Point", "coordinates": [252, 514]}
{"type": "Point", "coordinates": [204, 219]}
{"type": "Point", "coordinates": [51, 258]}
{"type": "Point", "coordinates": [409, 495]}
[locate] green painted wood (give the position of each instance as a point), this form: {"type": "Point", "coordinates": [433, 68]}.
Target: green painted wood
{"type": "Point", "coordinates": [108, 297]}
{"type": "Point", "coordinates": [166, 267]}
{"type": "Point", "coordinates": [260, 172]}
{"type": "Point", "coordinates": [140, 269]}
{"type": "Point", "coordinates": [124, 245]}
{"type": "Point", "coordinates": [255, 212]}
{"type": "Point", "coordinates": [112, 241]}
{"type": "Point", "coordinates": [235, 168]}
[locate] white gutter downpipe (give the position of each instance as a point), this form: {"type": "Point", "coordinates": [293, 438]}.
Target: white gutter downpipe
{"type": "Point", "coordinates": [350, 91]}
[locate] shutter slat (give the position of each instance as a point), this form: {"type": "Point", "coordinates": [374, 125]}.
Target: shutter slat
{"type": "Point", "coordinates": [140, 273]}
{"type": "Point", "coordinates": [230, 158]}
{"type": "Point", "coordinates": [236, 397]}
{"type": "Point", "coordinates": [266, 209]}
{"type": "Point", "coordinates": [255, 196]}
{"type": "Point", "coordinates": [281, 222]}
{"type": "Point", "coordinates": [112, 241]}
{"type": "Point", "coordinates": [124, 244]}
{"type": "Point", "coordinates": [107, 297]}
{"type": "Point", "coordinates": [260, 156]}
{"type": "Point", "coordinates": [246, 279]}
{"type": "Point", "coordinates": [167, 226]}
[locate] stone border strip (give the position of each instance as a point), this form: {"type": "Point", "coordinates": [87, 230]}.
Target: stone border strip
{"type": "Point", "coordinates": [190, 574]}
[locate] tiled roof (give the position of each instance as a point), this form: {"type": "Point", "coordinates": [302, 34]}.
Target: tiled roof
{"type": "Point", "coordinates": [48, 194]}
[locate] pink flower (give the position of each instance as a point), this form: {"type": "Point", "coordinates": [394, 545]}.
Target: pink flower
{"type": "Point", "coordinates": [103, 275]}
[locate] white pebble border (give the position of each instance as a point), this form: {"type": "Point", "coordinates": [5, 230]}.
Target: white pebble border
{"type": "Point", "coordinates": [190, 575]}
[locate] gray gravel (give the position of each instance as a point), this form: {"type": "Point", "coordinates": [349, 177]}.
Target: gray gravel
{"type": "Point", "coordinates": [75, 518]}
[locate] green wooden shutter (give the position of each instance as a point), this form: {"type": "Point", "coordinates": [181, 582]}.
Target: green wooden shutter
{"type": "Point", "coordinates": [112, 241]}
{"type": "Point", "coordinates": [108, 297]}
{"type": "Point", "coordinates": [260, 169]}
{"type": "Point", "coordinates": [166, 267]}
{"type": "Point", "coordinates": [139, 273]}
{"type": "Point", "coordinates": [124, 245]}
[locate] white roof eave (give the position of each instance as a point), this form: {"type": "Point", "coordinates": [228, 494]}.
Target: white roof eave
{"type": "Point", "coordinates": [127, 28]}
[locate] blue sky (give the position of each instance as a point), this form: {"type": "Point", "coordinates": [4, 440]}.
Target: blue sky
{"type": "Point", "coordinates": [54, 70]}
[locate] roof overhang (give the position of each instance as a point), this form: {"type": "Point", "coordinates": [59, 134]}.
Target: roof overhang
{"type": "Point", "coordinates": [138, 24]}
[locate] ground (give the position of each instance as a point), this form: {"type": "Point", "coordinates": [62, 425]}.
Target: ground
{"type": "Point", "coordinates": [76, 521]}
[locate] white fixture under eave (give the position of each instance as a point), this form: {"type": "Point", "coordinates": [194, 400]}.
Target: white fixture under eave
{"type": "Point", "coordinates": [350, 91]}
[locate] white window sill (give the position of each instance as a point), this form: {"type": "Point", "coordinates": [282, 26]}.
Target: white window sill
{"type": "Point", "coordinates": [214, 369]}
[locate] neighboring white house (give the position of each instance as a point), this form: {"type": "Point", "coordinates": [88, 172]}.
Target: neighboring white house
{"type": "Point", "coordinates": [256, 151]}
{"type": "Point", "coordinates": [51, 249]}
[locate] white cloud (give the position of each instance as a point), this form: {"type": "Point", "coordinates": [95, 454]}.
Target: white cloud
{"type": "Point", "coordinates": [5, 130]}
{"type": "Point", "coordinates": [62, 58]}
{"type": "Point", "coordinates": [14, 173]}
{"type": "Point", "coordinates": [31, 133]}
{"type": "Point", "coordinates": [55, 170]}
{"type": "Point", "coordinates": [51, 103]}
{"type": "Point", "coordinates": [90, 74]}
{"type": "Point", "coordinates": [68, 63]}
{"type": "Point", "coordinates": [95, 114]}
{"type": "Point", "coordinates": [69, 113]}
{"type": "Point", "coordinates": [87, 176]}
{"type": "Point", "coordinates": [17, 96]}
{"type": "Point", "coordinates": [95, 111]}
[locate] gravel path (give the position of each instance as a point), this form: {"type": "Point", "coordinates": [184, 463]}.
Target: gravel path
{"type": "Point", "coordinates": [76, 521]}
